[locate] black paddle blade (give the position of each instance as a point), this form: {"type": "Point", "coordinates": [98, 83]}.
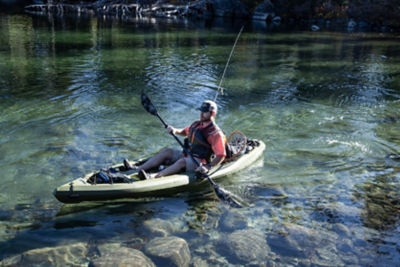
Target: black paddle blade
{"type": "Point", "coordinates": [148, 106]}
{"type": "Point", "coordinates": [227, 197]}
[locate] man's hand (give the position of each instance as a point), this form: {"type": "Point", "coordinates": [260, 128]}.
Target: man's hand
{"type": "Point", "coordinates": [171, 130]}
{"type": "Point", "coordinates": [203, 169]}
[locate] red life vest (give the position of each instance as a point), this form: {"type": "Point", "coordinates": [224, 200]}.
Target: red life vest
{"type": "Point", "coordinates": [197, 138]}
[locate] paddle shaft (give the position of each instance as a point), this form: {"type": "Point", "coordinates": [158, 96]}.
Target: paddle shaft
{"type": "Point", "coordinates": [219, 191]}
{"type": "Point", "coordinates": [187, 151]}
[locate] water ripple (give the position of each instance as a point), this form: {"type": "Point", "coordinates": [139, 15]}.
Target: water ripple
{"type": "Point", "coordinates": [326, 105]}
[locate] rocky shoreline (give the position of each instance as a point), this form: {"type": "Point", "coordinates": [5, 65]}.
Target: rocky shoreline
{"type": "Point", "coordinates": [265, 12]}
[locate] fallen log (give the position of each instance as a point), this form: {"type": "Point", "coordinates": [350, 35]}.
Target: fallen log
{"type": "Point", "coordinates": [158, 9]}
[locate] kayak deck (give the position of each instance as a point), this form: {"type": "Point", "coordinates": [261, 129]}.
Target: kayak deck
{"type": "Point", "coordinates": [124, 183]}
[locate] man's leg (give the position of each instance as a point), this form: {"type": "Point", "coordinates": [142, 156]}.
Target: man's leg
{"type": "Point", "coordinates": [157, 160]}
{"type": "Point", "coordinates": [174, 168]}
{"type": "Point", "coordinates": [181, 164]}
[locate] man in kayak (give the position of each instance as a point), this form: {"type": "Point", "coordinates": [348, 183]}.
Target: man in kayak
{"type": "Point", "coordinates": [204, 139]}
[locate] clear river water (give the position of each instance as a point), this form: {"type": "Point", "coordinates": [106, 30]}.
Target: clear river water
{"type": "Point", "coordinates": [327, 104]}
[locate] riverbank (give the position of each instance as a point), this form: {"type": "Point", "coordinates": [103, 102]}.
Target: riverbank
{"type": "Point", "coordinates": [350, 17]}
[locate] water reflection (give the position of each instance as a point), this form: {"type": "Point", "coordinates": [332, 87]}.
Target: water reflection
{"type": "Point", "coordinates": [325, 103]}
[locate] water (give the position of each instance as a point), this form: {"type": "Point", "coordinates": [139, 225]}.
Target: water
{"type": "Point", "coordinates": [326, 191]}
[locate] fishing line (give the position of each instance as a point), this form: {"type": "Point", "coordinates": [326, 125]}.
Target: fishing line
{"type": "Point", "coordinates": [226, 66]}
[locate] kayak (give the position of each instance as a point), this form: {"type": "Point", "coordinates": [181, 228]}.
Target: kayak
{"type": "Point", "coordinates": [117, 182]}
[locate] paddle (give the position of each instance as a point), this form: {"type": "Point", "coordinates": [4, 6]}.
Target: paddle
{"type": "Point", "coordinates": [223, 194]}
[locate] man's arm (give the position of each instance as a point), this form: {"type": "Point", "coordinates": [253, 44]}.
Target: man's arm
{"type": "Point", "coordinates": [217, 160]}
{"type": "Point", "coordinates": [181, 132]}
{"type": "Point", "coordinates": [207, 167]}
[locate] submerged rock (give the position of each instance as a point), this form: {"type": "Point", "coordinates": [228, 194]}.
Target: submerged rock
{"type": "Point", "coordinates": [298, 241]}
{"type": "Point", "coordinates": [341, 230]}
{"type": "Point", "coordinates": [281, 243]}
{"type": "Point", "coordinates": [336, 212]}
{"type": "Point", "coordinates": [247, 246]}
{"type": "Point", "coordinates": [117, 255]}
{"type": "Point", "coordinates": [199, 262]}
{"type": "Point", "coordinates": [392, 160]}
{"type": "Point", "coordinates": [233, 221]}
{"type": "Point", "coordinates": [68, 255]}
{"type": "Point", "coordinates": [162, 228]}
{"type": "Point", "coordinates": [169, 251]}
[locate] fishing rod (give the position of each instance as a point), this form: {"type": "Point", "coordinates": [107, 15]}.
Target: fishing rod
{"type": "Point", "coordinates": [226, 66]}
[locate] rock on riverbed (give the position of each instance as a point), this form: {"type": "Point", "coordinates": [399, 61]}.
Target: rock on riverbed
{"type": "Point", "coordinates": [67, 255]}
{"type": "Point", "coordinates": [117, 255]}
{"type": "Point", "coordinates": [246, 246]}
{"type": "Point", "coordinates": [169, 251]}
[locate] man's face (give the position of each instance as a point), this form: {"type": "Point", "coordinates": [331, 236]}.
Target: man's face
{"type": "Point", "coordinates": [205, 116]}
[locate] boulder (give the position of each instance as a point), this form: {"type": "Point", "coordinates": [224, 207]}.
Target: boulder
{"type": "Point", "coordinates": [315, 28]}
{"type": "Point", "coordinates": [351, 24]}
{"type": "Point", "coordinates": [293, 240]}
{"type": "Point", "coordinates": [276, 20]}
{"type": "Point", "coordinates": [233, 221]}
{"type": "Point", "coordinates": [169, 251]}
{"type": "Point", "coordinates": [264, 11]}
{"type": "Point", "coordinates": [199, 262]}
{"type": "Point", "coordinates": [341, 229]}
{"type": "Point", "coordinates": [68, 255]}
{"type": "Point", "coordinates": [246, 246]}
{"type": "Point", "coordinates": [229, 8]}
{"type": "Point", "coordinates": [199, 9]}
{"type": "Point", "coordinates": [117, 255]}
{"type": "Point", "coordinates": [161, 228]}
{"type": "Point", "coordinates": [282, 243]}
{"type": "Point", "coordinates": [337, 212]}
{"type": "Point", "coordinates": [266, 7]}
